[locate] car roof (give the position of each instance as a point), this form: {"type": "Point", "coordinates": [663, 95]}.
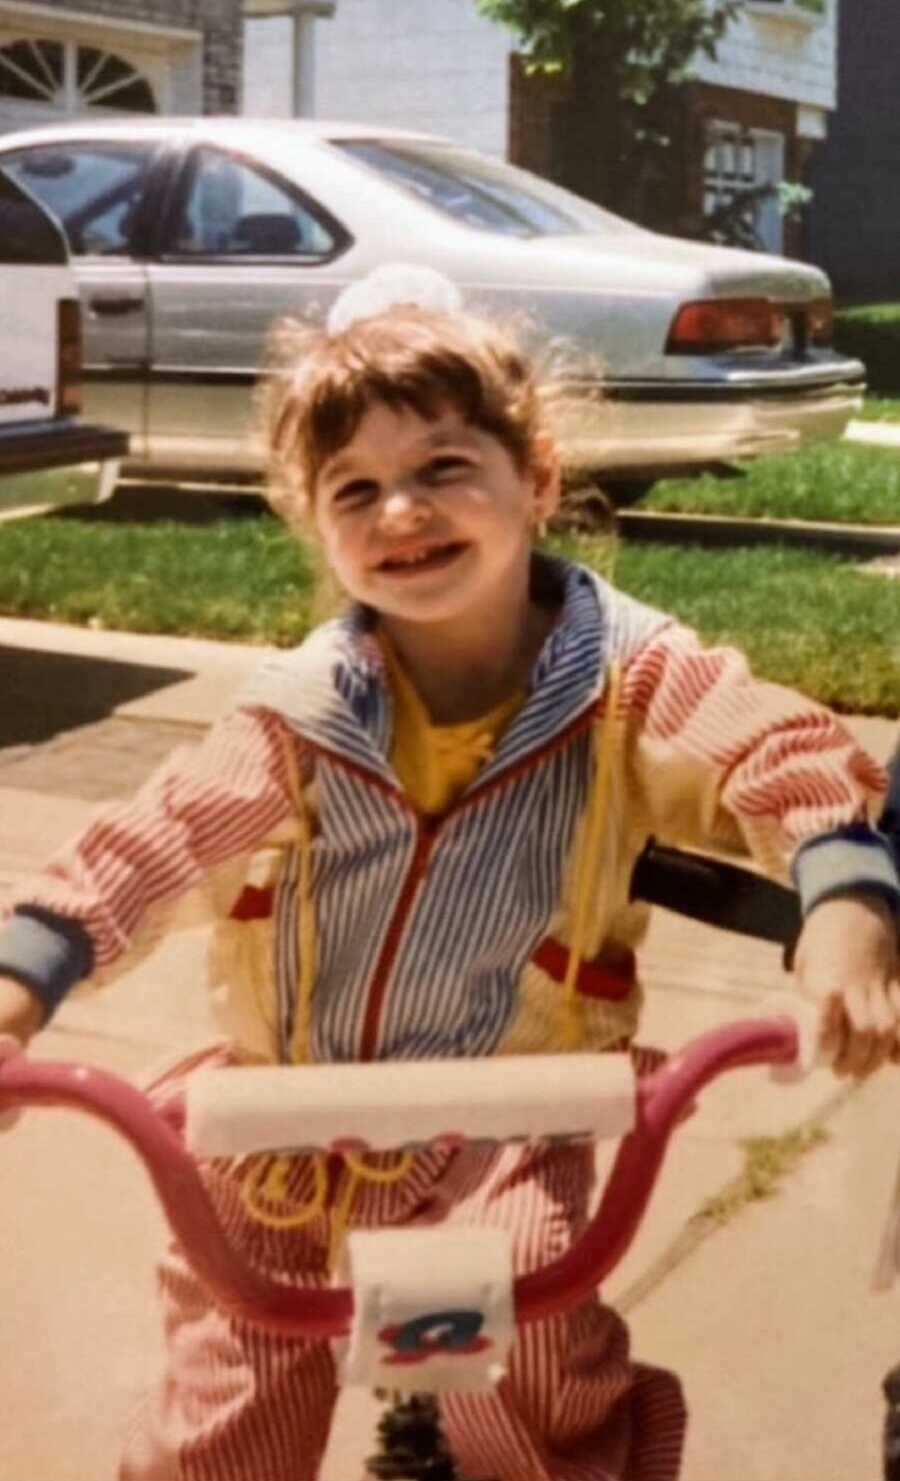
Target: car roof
{"type": "Point", "coordinates": [212, 126]}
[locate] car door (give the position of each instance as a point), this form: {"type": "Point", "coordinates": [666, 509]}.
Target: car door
{"type": "Point", "coordinates": [98, 190]}
{"type": "Point", "coordinates": [240, 247]}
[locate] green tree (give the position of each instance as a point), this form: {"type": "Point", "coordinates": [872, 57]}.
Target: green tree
{"type": "Point", "coordinates": [622, 65]}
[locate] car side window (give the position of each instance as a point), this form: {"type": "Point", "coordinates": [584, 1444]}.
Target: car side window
{"type": "Point", "coordinates": [231, 209]}
{"type": "Point", "coordinates": [93, 189]}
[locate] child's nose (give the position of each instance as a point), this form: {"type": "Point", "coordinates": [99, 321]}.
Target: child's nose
{"type": "Point", "coordinates": [403, 507]}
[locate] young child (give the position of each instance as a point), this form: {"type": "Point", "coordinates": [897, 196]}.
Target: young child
{"type": "Point", "coordinates": [419, 829]}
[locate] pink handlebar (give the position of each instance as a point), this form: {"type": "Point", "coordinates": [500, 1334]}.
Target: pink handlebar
{"type": "Point", "coordinates": [291, 1311]}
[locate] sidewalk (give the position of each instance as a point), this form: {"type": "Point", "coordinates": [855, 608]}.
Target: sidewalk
{"type": "Point", "coordinates": [879, 434]}
{"type": "Point", "coordinates": [769, 1320]}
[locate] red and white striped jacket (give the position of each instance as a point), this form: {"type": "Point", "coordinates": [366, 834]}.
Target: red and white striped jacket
{"type": "Point", "coordinates": [351, 927]}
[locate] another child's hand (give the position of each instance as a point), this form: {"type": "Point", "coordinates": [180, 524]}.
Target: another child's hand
{"type": "Point", "coordinates": [10, 1046]}
{"type": "Point", "coordinates": [846, 961]}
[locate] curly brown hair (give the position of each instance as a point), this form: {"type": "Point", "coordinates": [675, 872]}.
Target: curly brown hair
{"type": "Point", "coordinates": [319, 385]}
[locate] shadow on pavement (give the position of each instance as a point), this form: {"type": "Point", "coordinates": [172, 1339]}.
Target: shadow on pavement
{"type": "Point", "coordinates": [47, 693]}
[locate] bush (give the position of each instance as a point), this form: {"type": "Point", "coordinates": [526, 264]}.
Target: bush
{"type": "Point", "coordinates": [871, 333]}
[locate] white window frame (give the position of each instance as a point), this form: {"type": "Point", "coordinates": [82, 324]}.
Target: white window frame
{"type": "Point", "coordinates": [129, 39]}
{"type": "Point", "coordinates": [768, 222]}
{"type": "Point", "coordinates": [70, 98]}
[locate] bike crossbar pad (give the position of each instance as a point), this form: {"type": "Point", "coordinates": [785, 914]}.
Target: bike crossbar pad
{"type": "Point", "coordinates": [379, 1107]}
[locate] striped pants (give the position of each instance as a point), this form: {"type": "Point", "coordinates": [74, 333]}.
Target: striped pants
{"type": "Point", "coordinates": [235, 1404]}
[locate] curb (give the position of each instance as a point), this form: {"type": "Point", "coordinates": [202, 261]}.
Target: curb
{"type": "Point", "coordinates": [726, 530]}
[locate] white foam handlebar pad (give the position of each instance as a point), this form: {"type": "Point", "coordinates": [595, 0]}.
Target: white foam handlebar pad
{"type": "Point", "coordinates": [234, 1112]}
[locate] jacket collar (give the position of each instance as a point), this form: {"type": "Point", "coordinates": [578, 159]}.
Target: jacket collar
{"type": "Point", "coordinates": [332, 690]}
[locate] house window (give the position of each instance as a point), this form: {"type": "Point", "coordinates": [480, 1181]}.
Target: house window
{"type": "Point", "coordinates": [745, 162]}
{"type": "Point", "coordinates": [71, 77]}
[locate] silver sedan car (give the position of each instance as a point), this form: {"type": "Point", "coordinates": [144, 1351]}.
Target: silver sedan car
{"type": "Point", "coordinates": [191, 236]}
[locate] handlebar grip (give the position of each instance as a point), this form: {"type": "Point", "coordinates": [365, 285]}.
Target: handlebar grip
{"type": "Point", "coordinates": [719, 894]}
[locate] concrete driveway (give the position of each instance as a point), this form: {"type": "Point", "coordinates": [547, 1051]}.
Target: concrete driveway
{"type": "Point", "coordinates": [769, 1320]}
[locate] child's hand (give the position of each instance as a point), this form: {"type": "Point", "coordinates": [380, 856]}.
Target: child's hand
{"type": "Point", "coordinates": [10, 1046]}
{"type": "Point", "coordinates": [846, 961]}
{"type": "Point", "coordinates": [21, 1013]}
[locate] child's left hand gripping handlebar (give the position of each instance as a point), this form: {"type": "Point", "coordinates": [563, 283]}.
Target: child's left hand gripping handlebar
{"type": "Point", "coordinates": [494, 1098]}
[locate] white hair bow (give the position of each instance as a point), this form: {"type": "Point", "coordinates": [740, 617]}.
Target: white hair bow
{"type": "Point", "coordinates": [388, 286]}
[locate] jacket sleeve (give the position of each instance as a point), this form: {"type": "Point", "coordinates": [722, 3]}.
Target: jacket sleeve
{"type": "Point", "coordinates": [721, 759]}
{"type": "Point", "coordinates": [200, 809]}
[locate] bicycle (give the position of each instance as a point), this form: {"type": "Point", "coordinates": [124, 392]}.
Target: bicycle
{"type": "Point", "coordinates": [644, 1113]}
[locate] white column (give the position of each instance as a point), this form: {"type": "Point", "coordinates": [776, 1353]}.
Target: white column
{"type": "Point", "coordinates": [304, 75]}
{"type": "Point", "coordinates": [303, 15]}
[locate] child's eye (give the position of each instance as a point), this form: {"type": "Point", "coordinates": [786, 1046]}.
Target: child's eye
{"type": "Point", "coordinates": [355, 493]}
{"type": "Point", "coordinates": [446, 469]}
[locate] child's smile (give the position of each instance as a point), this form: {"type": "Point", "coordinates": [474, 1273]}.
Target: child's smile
{"type": "Point", "coordinates": [421, 557]}
{"type": "Point", "coordinates": [430, 521]}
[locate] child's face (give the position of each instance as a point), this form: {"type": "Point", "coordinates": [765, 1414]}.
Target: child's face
{"type": "Point", "coordinates": [430, 520]}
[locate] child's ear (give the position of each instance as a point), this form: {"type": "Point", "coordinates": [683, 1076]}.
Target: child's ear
{"type": "Point", "coordinates": [546, 476]}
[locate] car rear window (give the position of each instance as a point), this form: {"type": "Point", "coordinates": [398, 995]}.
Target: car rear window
{"type": "Point", "coordinates": [483, 192]}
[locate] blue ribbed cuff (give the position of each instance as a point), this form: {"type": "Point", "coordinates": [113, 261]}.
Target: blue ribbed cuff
{"type": "Point", "coordinates": [852, 860]}
{"type": "Point", "coordinates": [47, 953]}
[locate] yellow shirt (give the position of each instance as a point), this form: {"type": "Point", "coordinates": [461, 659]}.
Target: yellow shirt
{"type": "Point", "coordinates": [435, 763]}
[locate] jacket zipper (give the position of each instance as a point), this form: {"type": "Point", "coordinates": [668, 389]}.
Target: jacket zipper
{"type": "Point", "coordinates": [427, 829]}
{"type": "Point", "coordinates": [427, 832]}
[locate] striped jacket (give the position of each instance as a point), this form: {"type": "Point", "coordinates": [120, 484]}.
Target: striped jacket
{"type": "Point", "coordinates": [420, 936]}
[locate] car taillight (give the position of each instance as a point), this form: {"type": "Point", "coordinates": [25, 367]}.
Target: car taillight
{"type": "Point", "coordinates": [820, 321]}
{"type": "Point", "coordinates": [68, 366]}
{"type": "Point", "coordinates": [710, 325]}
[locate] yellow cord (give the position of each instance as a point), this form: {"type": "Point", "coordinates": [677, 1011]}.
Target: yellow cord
{"type": "Point", "coordinates": [603, 743]}
{"type": "Point", "coordinates": [358, 1172]}
{"type": "Point", "coordinates": [266, 1183]}
{"type": "Point", "coordinates": [378, 1174]}
{"type": "Point", "coordinates": [267, 1179]}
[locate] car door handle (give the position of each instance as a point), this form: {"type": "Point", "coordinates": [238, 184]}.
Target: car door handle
{"type": "Point", "coordinates": [117, 304]}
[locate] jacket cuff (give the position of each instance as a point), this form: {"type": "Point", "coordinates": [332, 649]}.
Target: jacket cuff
{"type": "Point", "coordinates": [47, 953]}
{"type": "Point", "coordinates": [852, 860]}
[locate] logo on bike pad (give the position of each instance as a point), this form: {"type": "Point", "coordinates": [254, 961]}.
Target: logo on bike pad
{"type": "Point", "coordinates": [438, 1333]}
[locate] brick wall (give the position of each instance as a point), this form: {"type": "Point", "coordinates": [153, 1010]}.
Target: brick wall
{"type": "Point", "coordinates": [218, 20]}
{"type": "Point", "coordinates": [533, 99]}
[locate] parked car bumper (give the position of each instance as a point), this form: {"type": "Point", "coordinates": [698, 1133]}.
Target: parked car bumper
{"type": "Point", "coordinates": [49, 467]}
{"type": "Point", "coordinates": [645, 426]}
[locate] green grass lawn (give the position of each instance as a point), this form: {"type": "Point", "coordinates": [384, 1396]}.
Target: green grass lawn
{"type": "Point", "coordinates": [880, 409]}
{"type": "Point", "coordinates": [240, 579]}
{"type": "Point", "coordinates": [809, 620]}
{"type": "Point", "coordinates": [812, 621]}
{"type": "Point", "coordinates": [844, 482]}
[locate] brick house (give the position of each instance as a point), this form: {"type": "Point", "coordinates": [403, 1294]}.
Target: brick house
{"type": "Point", "coordinates": [854, 217]}
{"type": "Point", "coordinates": [59, 59]}
{"type": "Point", "coordinates": [752, 116]}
